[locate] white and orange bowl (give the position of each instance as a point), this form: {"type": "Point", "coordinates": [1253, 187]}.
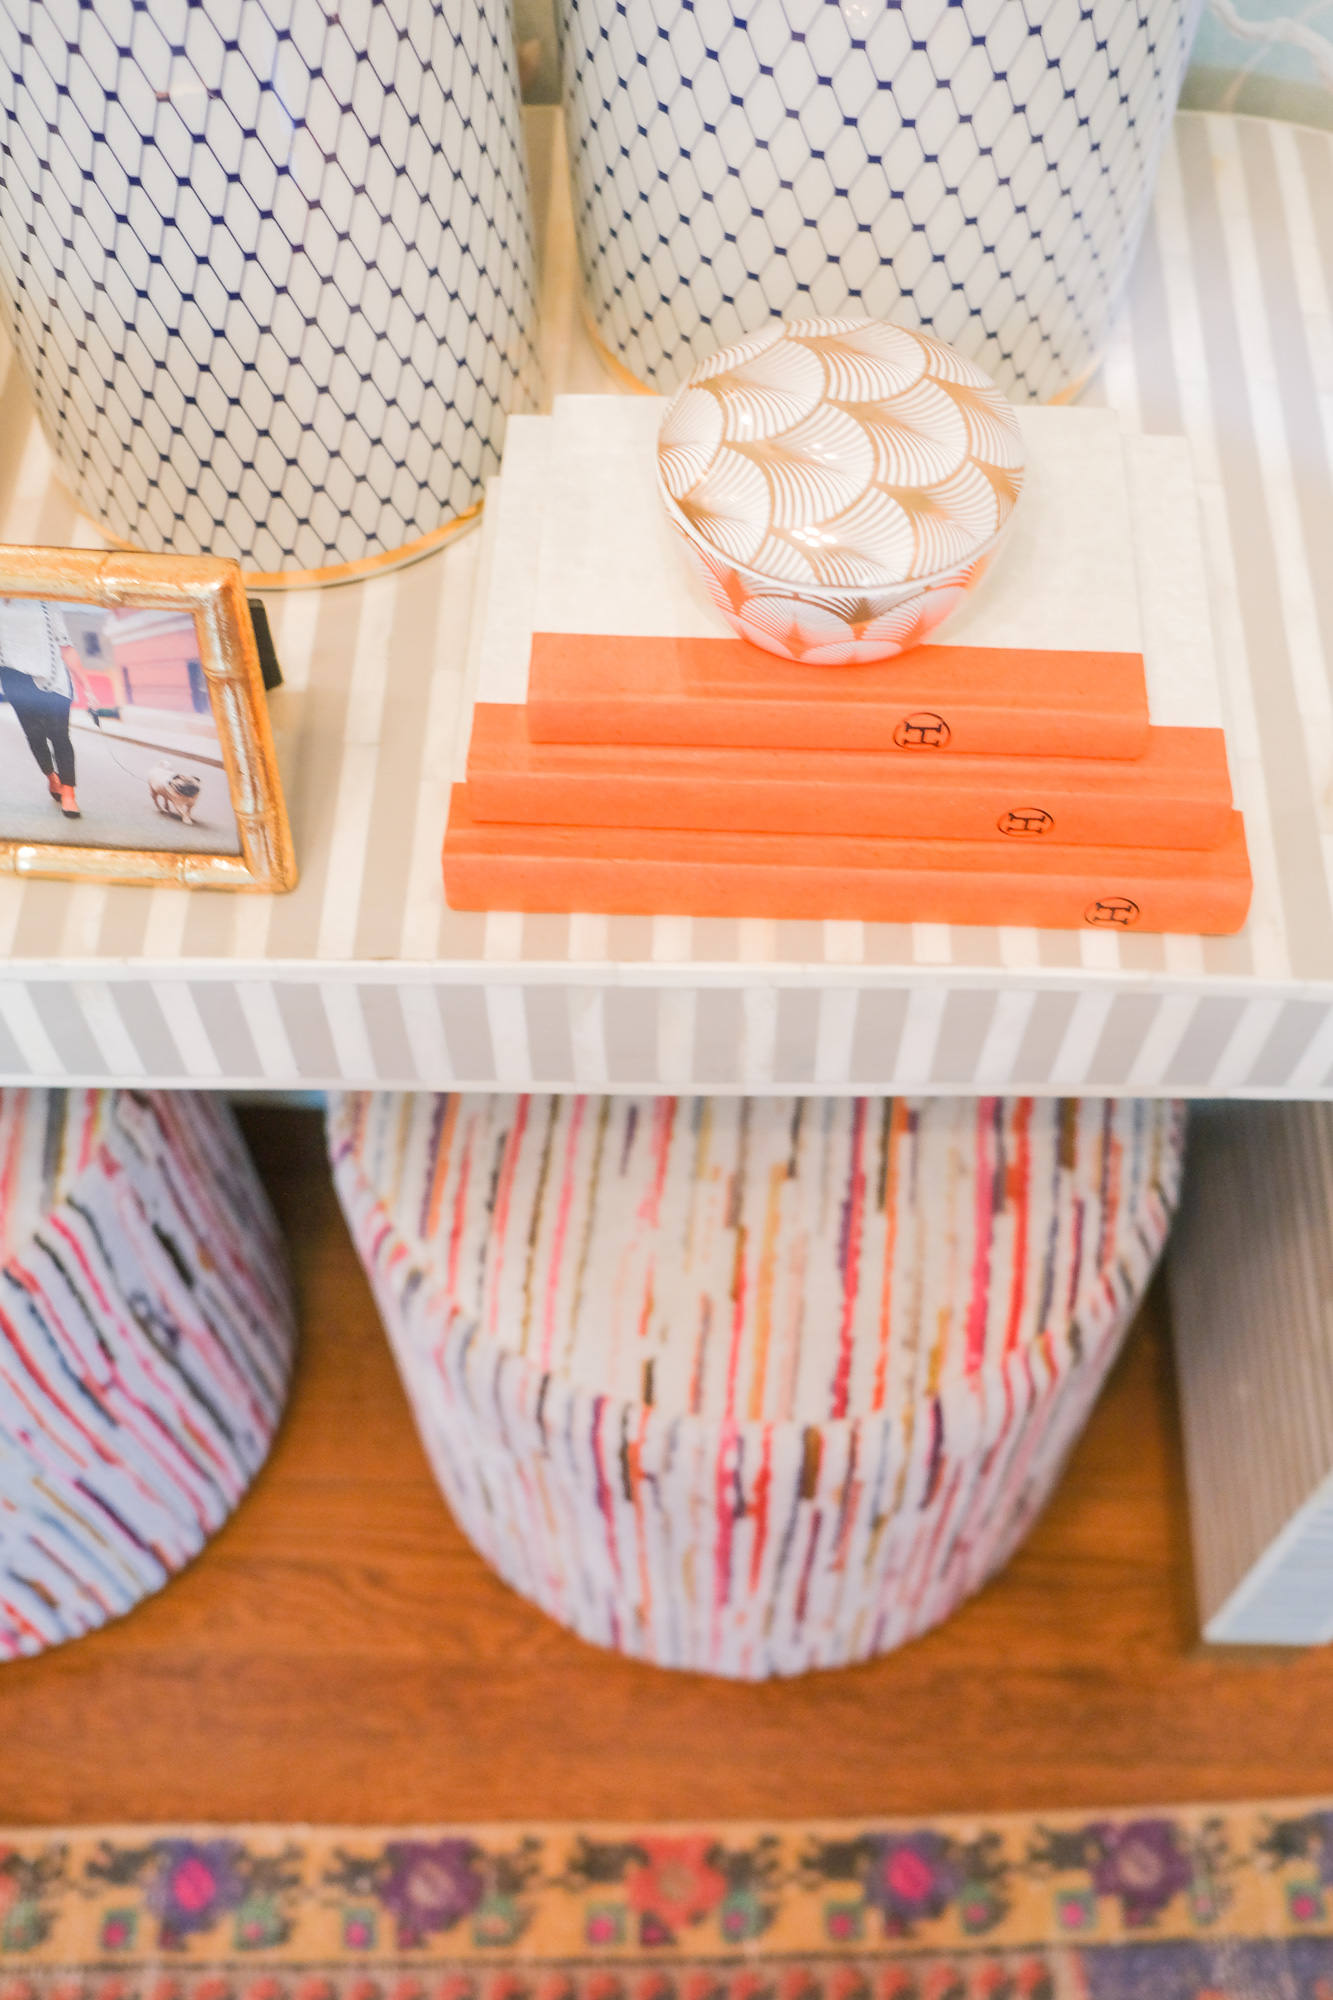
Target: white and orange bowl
{"type": "Point", "coordinates": [839, 485]}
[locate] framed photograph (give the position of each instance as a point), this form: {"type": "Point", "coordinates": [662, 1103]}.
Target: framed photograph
{"type": "Point", "coordinates": [134, 735]}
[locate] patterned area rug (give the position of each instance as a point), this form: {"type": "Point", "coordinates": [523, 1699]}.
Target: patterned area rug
{"type": "Point", "coordinates": [1202, 1904]}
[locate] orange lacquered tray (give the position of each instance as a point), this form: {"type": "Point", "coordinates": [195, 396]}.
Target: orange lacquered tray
{"type": "Point", "coordinates": [1178, 794]}
{"type": "Point", "coordinates": [972, 700]}
{"type": "Point", "coordinates": [624, 870]}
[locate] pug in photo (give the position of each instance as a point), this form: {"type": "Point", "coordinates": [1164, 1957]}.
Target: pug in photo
{"type": "Point", "coordinates": [174, 792]}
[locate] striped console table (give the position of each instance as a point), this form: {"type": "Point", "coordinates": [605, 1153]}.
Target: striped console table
{"type": "Point", "coordinates": [363, 977]}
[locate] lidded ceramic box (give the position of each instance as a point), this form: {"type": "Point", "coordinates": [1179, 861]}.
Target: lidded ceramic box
{"type": "Point", "coordinates": [839, 484]}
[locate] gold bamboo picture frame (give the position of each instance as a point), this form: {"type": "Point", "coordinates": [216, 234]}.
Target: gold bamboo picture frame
{"type": "Point", "coordinates": [223, 662]}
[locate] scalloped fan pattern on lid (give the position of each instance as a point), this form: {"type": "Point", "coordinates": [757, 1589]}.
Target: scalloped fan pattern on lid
{"type": "Point", "coordinates": [841, 453]}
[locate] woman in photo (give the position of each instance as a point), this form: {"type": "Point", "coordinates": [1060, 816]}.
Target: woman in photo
{"type": "Point", "coordinates": [37, 682]}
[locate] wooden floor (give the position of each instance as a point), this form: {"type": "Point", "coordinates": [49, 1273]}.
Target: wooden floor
{"type": "Point", "coordinates": [339, 1652]}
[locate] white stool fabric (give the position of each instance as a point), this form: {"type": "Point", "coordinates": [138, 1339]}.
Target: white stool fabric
{"type": "Point", "coordinates": [752, 1386]}
{"type": "Point", "coordinates": [146, 1338]}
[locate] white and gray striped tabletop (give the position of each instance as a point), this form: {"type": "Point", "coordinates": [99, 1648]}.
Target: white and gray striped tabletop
{"type": "Point", "coordinates": [363, 976]}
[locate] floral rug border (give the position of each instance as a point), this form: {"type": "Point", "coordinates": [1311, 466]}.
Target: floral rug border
{"type": "Point", "coordinates": [721, 1893]}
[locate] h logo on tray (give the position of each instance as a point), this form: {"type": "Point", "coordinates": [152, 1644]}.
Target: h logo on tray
{"type": "Point", "coordinates": [1026, 820]}
{"type": "Point", "coordinates": [1118, 910]}
{"type": "Point", "coordinates": [922, 731]}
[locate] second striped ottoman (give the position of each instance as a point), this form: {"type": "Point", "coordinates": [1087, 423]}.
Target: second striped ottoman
{"type": "Point", "coordinates": [752, 1386]}
{"type": "Point", "coordinates": [146, 1338]}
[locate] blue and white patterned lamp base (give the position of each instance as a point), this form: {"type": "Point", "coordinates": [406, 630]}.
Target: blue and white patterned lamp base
{"type": "Point", "coordinates": [978, 168]}
{"type": "Point", "coordinates": [268, 267]}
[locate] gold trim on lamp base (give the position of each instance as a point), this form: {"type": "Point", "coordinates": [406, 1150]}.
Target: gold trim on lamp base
{"type": "Point", "coordinates": [612, 363]}
{"type": "Point", "coordinates": [1074, 389]}
{"type": "Point", "coordinates": [352, 572]}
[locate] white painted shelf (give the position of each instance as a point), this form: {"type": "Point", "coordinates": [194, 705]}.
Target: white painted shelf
{"type": "Point", "coordinates": [363, 976]}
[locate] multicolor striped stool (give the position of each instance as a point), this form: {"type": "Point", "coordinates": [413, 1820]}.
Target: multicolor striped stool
{"type": "Point", "coordinates": [146, 1337]}
{"type": "Point", "coordinates": [752, 1385]}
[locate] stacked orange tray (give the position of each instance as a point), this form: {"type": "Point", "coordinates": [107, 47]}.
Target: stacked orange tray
{"type": "Point", "coordinates": [954, 784]}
